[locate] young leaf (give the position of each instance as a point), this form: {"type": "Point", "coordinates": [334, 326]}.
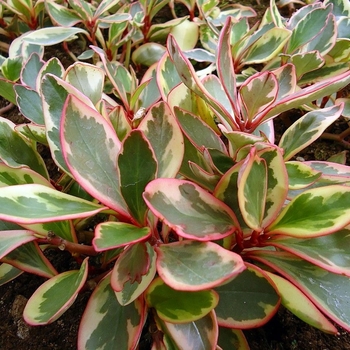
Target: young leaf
{"type": "Point", "coordinates": [90, 148]}
{"type": "Point", "coordinates": [106, 324]}
{"type": "Point", "coordinates": [179, 306]}
{"type": "Point", "coordinates": [249, 300]}
{"type": "Point", "coordinates": [110, 235]}
{"type": "Point", "coordinates": [315, 212]}
{"type": "Point", "coordinates": [191, 265]}
{"type": "Point", "coordinates": [55, 296]}
{"type": "Point", "coordinates": [136, 155]}
{"type": "Point", "coordinates": [188, 209]}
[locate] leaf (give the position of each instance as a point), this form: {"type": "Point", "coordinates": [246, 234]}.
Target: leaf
{"type": "Point", "coordinates": [110, 235]}
{"type": "Point", "coordinates": [106, 324]}
{"type": "Point", "coordinates": [16, 151]}
{"type": "Point", "coordinates": [8, 273]}
{"type": "Point", "coordinates": [33, 203]}
{"type": "Point", "coordinates": [10, 240]}
{"type": "Point", "coordinates": [329, 252]}
{"type": "Point", "coordinates": [232, 339]}
{"type": "Point", "coordinates": [328, 291]}
{"type": "Point", "coordinates": [7, 91]}
{"type": "Point", "coordinates": [148, 54]}
{"type": "Point", "coordinates": [30, 258]}
{"type": "Point", "coordinates": [63, 16]}
{"type": "Point", "coordinates": [300, 175]}
{"type": "Point", "coordinates": [201, 334]}
{"type": "Point", "coordinates": [296, 302]}
{"type": "Point", "coordinates": [179, 306]}
{"type": "Point", "coordinates": [11, 68]}
{"type": "Point", "coordinates": [53, 35]}
{"type": "Point", "coordinates": [249, 300]}
{"type": "Point", "coordinates": [90, 148]}
{"type": "Point", "coordinates": [132, 290]}
{"type": "Point", "coordinates": [192, 266]}
{"type": "Point", "coordinates": [189, 210]}
{"type": "Point", "coordinates": [307, 129]}
{"type": "Point", "coordinates": [136, 154]}
{"type": "Point", "coordinates": [165, 136]}
{"type": "Point", "coordinates": [55, 296]}
{"type": "Point", "coordinates": [30, 71]}
{"type": "Point", "coordinates": [132, 264]}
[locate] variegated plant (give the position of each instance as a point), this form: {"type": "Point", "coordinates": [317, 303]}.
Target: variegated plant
{"type": "Point", "coordinates": [199, 225]}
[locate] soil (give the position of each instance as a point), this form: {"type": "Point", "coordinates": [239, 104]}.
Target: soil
{"type": "Point", "coordinates": [283, 332]}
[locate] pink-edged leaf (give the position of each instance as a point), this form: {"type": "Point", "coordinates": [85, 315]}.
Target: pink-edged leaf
{"type": "Point", "coordinates": [252, 193]}
{"type": "Point", "coordinates": [108, 325]}
{"type": "Point", "coordinates": [8, 273]}
{"type": "Point", "coordinates": [30, 258]}
{"type": "Point", "coordinates": [137, 167]}
{"type": "Point", "coordinates": [11, 239]}
{"type": "Point", "coordinates": [331, 171]}
{"type": "Point", "coordinates": [201, 334]}
{"type": "Point", "coordinates": [120, 122]}
{"type": "Point", "coordinates": [199, 133]}
{"type": "Point", "coordinates": [110, 235]}
{"type": "Point", "coordinates": [132, 290]}
{"type": "Point", "coordinates": [249, 300]}
{"type": "Point", "coordinates": [193, 266]}
{"type": "Point", "coordinates": [55, 296]}
{"type": "Point", "coordinates": [300, 305]}
{"type": "Point", "coordinates": [189, 210]}
{"type": "Point", "coordinates": [131, 265]}
{"type": "Point", "coordinates": [42, 204]}
{"type": "Point", "coordinates": [256, 94]}
{"type": "Point", "coordinates": [165, 136]}
{"type": "Point", "coordinates": [307, 129]}
{"type": "Point", "coordinates": [177, 306]}
{"type": "Point", "coordinates": [90, 148]}
{"type": "Point", "coordinates": [329, 252]}
{"type": "Point", "coordinates": [232, 339]}
{"type": "Point", "coordinates": [315, 212]}
{"type": "Point", "coordinates": [206, 179]}
{"type": "Point", "coordinates": [287, 81]}
{"type": "Point", "coordinates": [306, 62]}
{"type": "Point", "coordinates": [330, 292]}
{"type": "Point", "coordinates": [301, 175]}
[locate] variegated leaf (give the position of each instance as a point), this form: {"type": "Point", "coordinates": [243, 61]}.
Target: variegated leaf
{"type": "Point", "coordinates": [297, 302]}
{"type": "Point", "coordinates": [306, 62]}
{"type": "Point", "coordinates": [232, 339]}
{"type": "Point", "coordinates": [249, 300]}
{"type": "Point", "coordinates": [30, 71]}
{"type": "Point", "coordinates": [177, 306]}
{"type": "Point", "coordinates": [55, 296]}
{"type": "Point", "coordinates": [30, 258]}
{"type": "Point", "coordinates": [188, 209]}
{"type": "Point", "coordinates": [132, 290]}
{"type": "Point", "coordinates": [287, 81]}
{"type": "Point", "coordinates": [330, 292]}
{"type": "Point", "coordinates": [42, 204]}
{"type": "Point", "coordinates": [8, 273]}
{"type": "Point", "coordinates": [165, 136]}
{"type": "Point", "coordinates": [307, 129]}
{"type": "Point", "coordinates": [191, 265]}
{"type": "Point", "coordinates": [36, 133]}
{"type": "Point", "coordinates": [329, 252]}
{"type": "Point", "coordinates": [106, 324]}
{"type": "Point", "coordinates": [109, 235]}
{"type": "Point", "coordinates": [16, 151]}
{"type": "Point", "coordinates": [301, 175]}
{"type": "Point", "coordinates": [11, 239]}
{"type": "Point", "coordinates": [120, 121]}
{"type": "Point", "coordinates": [87, 78]}
{"type": "Point", "coordinates": [136, 154]}
{"type": "Point", "coordinates": [315, 212]}
{"type": "Point", "coordinates": [201, 334]}
{"type": "Point", "coordinates": [62, 15]}
{"type": "Point", "coordinates": [90, 148]}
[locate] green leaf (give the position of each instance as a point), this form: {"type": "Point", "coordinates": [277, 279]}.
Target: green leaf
{"type": "Point", "coordinates": [307, 129]}
{"type": "Point", "coordinates": [165, 136]}
{"type": "Point", "coordinates": [17, 151]}
{"type": "Point", "coordinates": [8, 273]}
{"type": "Point", "coordinates": [27, 204]}
{"type": "Point", "coordinates": [188, 209]}
{"type": "Point", "coordinates": [7, 91]}
{"type": "Point", "coordinates": [148, 54]}
{"type": "Point", "coordinates": [201, 334]}
{"type": "Point", "coordinates": [62, 15]}
{"type": "Point", "coordinates": [330, 292]}
{"type": "Point", "coordinates": [179, 306]}
{"type": "Point", "coordinates": [9, 240]}
{"type": "Point", "coordinates": [87, 78]}
{"type": "Point", "coordinates": [31, 70]}
{"type": "Point", "coordinates": [11, 68]}
{"type": "Point", "coordinates": [300, 175]}
{"type": "Point", "coordinates": [53, 35]}
{"type": "Point", "coordinates": [306, 62]}
{"type": "Point", "coordinates": [36, 133]}
{"type": "Point", "coordinates": [232, 339]}
{"type": "Point", "coordinates": [314, 213]}
{"type": "Point", "coordinates": [106, 324]}
{"type": "Point", "coordinates": [109, 235]}
{"type": "Point", "coordinates": [90, 147]}
{"type": "Point", "coordinates": [191, 265]}
{"type": "Point", "coordinates": [136, 154]}
{"type": "Point", "coordinates": [249, 300]}
{"type": "Point", "coordinates": [55, 296]}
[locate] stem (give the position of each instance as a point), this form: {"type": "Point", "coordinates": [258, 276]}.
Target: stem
{"type": "Point", "coordinates": [127, 54]}
{"type": "Point", "coordinates": [338, 137]}
{"type": "Point", "coordinates": [7, 108]}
